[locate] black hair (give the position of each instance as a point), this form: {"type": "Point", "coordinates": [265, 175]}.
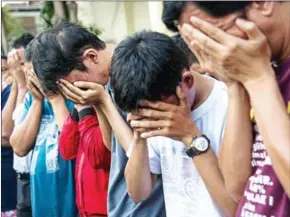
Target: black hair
{"type": "Point", "coordinates": [59, 51]}
{"type": "Point", "coordinates": [28, 54]}
{"type": "Point", "coordinates": [3, 57]}
{"type": "Point", "coordinates": [222, 8]}
{"type": "Point", "coordinates": [184, 48]}
{"type": "Point", "coordinates": [22, 41]}
{"type": "Point", "coordinates": [173, 9]}
{"type": "Point", "coordinates": [145, 66]}
{"type": "Point", "coordinates": [171, 13]}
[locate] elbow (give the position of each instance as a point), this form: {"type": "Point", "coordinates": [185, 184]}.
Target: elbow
{"type": "Point", "coordinates": [236, 190]}
{"type": "Point", "coordinates": [20, 152]}
{"type": "Point", "coordinates": [18, 147]}
{"type": "Point", "coordinates": [137, 196]}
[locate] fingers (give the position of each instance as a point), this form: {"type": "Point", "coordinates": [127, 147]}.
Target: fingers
{"type": "Point", "coordinates": [210, 30]}
{"type": "Point", "coordinates": [153, 133]}
{"type": "Point", "coordinates": [250, 29]}
{"type": "Point", "coordinates": [182, 97]}
{"type": "Point", "coordinates": [131, 116]}
{"type": "Point", "coordinates": [69, 94]}
{"type": "Point", "coordinates": [87, 85]}
{"type": "Point", "coordinates": [200, 40]}
{"type": "Point", "coordinates": [161, 106]}
{"type": "Point", "coordinates": [72, 88]}
{"type": "Point", "coordinates": [149, 124]}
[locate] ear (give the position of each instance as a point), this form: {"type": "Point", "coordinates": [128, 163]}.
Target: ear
{"type": "Point", "coordinates": [187, 79]}
{"type": "Point", "coordinates": [92, 55]}
{"type": "Point", "coordinates": [266, 8]}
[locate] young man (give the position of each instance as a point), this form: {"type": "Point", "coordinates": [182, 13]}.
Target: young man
{"type": "Point", "coordinates": [72, 53]}
{"type": "Point", "coordinates": [247, 36]}
{"type": "Point", "coordinates": [20, 165]}
{"type": "Point", "coordinates": [149, 66]}
{"type": "Point", "coordinates": [37, 124]}
{"type": "Point", "coordinates": [8, 175]}
{"type": "Point", "coordinates": [81, 139]}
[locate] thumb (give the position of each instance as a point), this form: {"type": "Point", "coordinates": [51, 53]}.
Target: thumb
{"type": "Point", "coordinates": [250, 28]}
{"type": "Point", "coordinates": [181, 96]}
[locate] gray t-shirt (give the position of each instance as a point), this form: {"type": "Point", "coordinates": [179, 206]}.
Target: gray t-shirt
{"type": "Point", "coordinates": [119, 202]}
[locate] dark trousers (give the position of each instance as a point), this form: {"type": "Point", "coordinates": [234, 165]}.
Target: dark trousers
{"type": "Point", "coordinates": [23, 195]}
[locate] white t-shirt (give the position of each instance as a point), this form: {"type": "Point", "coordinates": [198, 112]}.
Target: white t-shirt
{"type": "Point", "coordinates": [20, 164]}
{"type": "Point", "coordinates": [184, 190]}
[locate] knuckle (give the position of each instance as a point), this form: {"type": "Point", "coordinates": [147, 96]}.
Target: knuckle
{"type": "Point", "coordinates": [232, 47]}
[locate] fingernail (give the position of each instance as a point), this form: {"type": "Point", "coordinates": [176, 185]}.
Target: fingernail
{"type": "Point", "coordinates": [143, 135]}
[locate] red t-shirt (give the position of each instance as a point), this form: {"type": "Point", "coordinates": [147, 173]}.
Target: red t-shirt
{"type": "Point", "coordinates": [264, 195]}
{"type": "Point", "coordinates": [82, 140]}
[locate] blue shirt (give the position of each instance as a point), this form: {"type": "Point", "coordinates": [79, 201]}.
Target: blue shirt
{"type": "Point", "coordinates": [52, 178]}
{"type": "Point", "coordinates": [8, 175]}
{"type": "Point", "coordinates": [119, 202]}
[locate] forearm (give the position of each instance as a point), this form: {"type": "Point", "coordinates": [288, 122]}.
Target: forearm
{"type": "Point", "coordinates": [274, 125]}
{"type": "Point", "coordinates": [235, 152]}
{"type": "Point", "coordinates": [105, 128]}
{"type": "Point", "coordinates": [60, 110]}
{"type": "Point", "coordinates": [21, 94]}
{"type": "Point", "coordinates": [137, 173]}
{"type": "Point", "coordinates": [208, 168]}
{"type": "Point", "coordinates": [23, 136]}
{"type": "Point", "coordinates": [121, 129]}
{"type": "Point", "coordinates": [7, 121]}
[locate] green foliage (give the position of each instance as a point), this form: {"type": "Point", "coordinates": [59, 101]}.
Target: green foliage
{"type": "Point", "coordinates": [47, 12]}
{"type": "Point", "coordinates": [12, 25]}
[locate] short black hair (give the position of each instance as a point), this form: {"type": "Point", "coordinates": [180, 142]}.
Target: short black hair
{"type": "Point", "coordinates": [59, 51]}
{"type": "Point", "coordinates": [173, 9]}
{"type": "Point", "coordinates": [28, 54]}
{"type": "Point", "coordinates": [145, 66]}
{"type": "Point", "coordinates": [222, 8]}
{"type": "Point", "coordinates": [184, 48]}
{"type": "Point", "coordinates": [171, 13]}
{"type": "Point", "coordinates": [3, 57]}
{"type": "Point", "coordinates": [23, 40]}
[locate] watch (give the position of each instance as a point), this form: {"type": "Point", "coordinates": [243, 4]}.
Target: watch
{"type": "Point", "coordinates": [199, 145]}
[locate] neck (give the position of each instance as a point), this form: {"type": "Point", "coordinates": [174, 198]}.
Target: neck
{"type": "Point", "coordinates": [204, 87]}
{"type": "Point", "coordinates": [285, 53]}
{"type": "Point", "coordinates": [110, 48]}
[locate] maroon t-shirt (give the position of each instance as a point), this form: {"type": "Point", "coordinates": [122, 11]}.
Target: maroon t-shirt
{"type": "Point", "coordinates": [264, 195]}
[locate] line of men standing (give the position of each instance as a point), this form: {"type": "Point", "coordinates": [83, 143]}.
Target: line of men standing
{"type": "Point", "coordinates": [62, 88]}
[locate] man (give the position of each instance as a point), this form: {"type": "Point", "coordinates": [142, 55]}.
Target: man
{"type": "Point", "coordinates": [21, 165]}
{"type": "Point", "coordinates": [198, 102]}
{"type": "Point", "coordinates": [37, 124]}
{"type": "Point", "coordinates": [71, 53]}
{"type": "Point", "coordinates": [8, 175]}
{"type": "Point", "coordinates": [240, 39]}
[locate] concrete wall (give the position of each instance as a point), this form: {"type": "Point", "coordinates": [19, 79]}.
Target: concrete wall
{"type": "Point", "coordinates": [120, 19]}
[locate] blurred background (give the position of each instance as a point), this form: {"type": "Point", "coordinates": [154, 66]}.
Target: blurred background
{"type": "Point", "coordinates": [111, 21]}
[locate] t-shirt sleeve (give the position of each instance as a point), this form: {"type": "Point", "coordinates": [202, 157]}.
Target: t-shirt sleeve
{"type": "Point", "coordinates": [154, 156]}
{"type": "Point", "coordinates": [153, 153]}
{"type": "Point", "coordinates": [21, 110]}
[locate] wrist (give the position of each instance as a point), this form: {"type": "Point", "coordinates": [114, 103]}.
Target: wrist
{"type": "Point", "coordinates": [187, 140]}
{"type": "Point", "coordinates": [22, 88]}
{"type": "Point", "coordinates": [236, 91]}
{"type": "Point", "coordinates": [54, 99]}
{"type": "Point", "coordinates": [105, 102]}
{"type": "Point", "coordinates": [255, 83]}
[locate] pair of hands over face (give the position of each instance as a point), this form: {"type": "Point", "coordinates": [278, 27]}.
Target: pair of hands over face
{"type": "Point", "coordinates": [157, 119]}
{"type": "Point", "coordinates": [227, 57]}
{"type": "Point", "coordinates": [23, 75]}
